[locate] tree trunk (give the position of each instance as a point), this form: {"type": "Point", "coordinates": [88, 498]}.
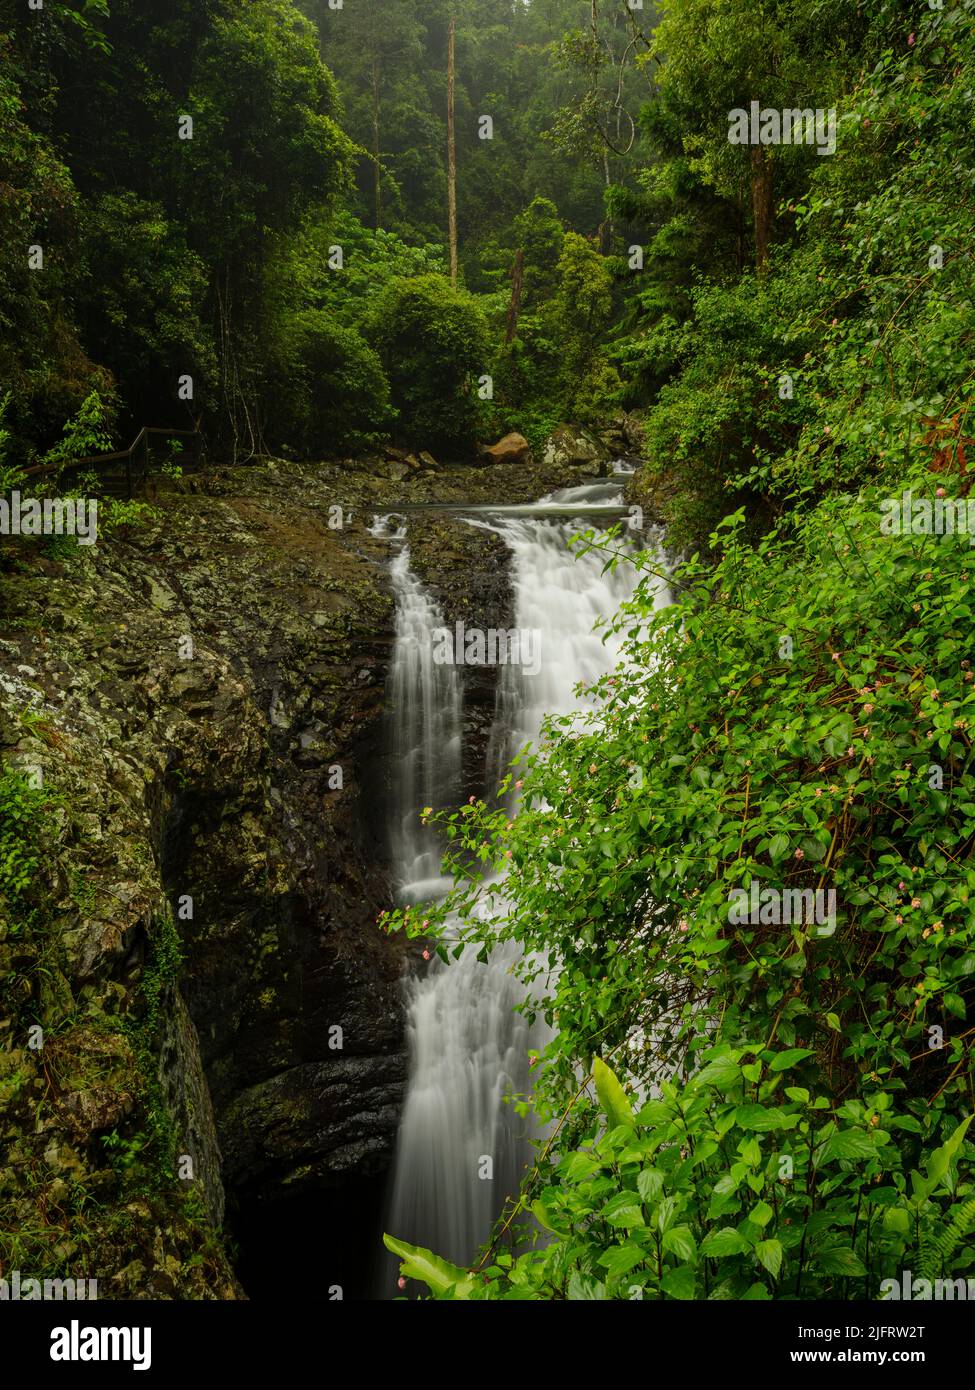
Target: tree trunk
{"type": "Point", "coordinates": [451, 156]}
{"type": "Point", "coordinates": [606, 226]}
{"type": "Point", "coordinates": [762, 206]}
{"type": "Point", "coordinates": [377, 170]}
{"type": "Point", "coordinates": [517, 276]}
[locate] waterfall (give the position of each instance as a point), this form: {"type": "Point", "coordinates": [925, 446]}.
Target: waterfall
{"type": "Point", "coordinates": [461, 1150]}
{"type": "Point", "coordinates": [426, 700]}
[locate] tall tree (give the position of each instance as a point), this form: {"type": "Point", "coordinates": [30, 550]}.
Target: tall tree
{"type": "Point", "coordinates": [451, 153]}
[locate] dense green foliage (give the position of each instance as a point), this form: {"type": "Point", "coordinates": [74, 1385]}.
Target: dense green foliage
{"type": "Point", "coordinates": [432, 340]}
{"type": "Point", "coordinates": [187, 185]}
{"type": "Point", "coordinates": [796, 1095]}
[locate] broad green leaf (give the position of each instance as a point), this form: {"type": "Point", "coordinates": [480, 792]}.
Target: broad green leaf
{"type": "Point", "coordinates": [726, 1241]}
{"type": "Point", "coordinates": [620, 1259]}
{"type": "Point", "coordinates": [650, 1184]}
{"type": "Point", "coordinates": [679, 1282]}
{"type": "Point", "coordinates": [940, 1161]}
{"type": "Point", "coordinates": [769, 1253]}
{"type": "Point", "coordinates": [582, 1288]}
{"type": "Point", "coordinates": [542, 1216]}
{"type": "Point", "coordinates": [623, 1210]}
{"type": "Point", "coordinates": [789, 1058]}
{"type": "Point", "coordinates": [839, 1260]}
{"type": "Point", "coordinates": [613, 1099]}
{"type": "Point", "coordinates": [848, 1143]}
{"type": "Point", "coordinates": [680, 1242]}
{"type": "Point", "coordinates": [439, 1275]}
{"type": "Point", "coordinates": [761, 1214]}
{"type": "Point", "coordinates": [897, 1219]}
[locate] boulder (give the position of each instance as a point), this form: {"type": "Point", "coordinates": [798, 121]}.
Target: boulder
{"type": "Point", "coordinates": [569, 446]}
{"type": "Point", "coordinates": [623, 435]}
{"type": "Point", "coordinates": [513, 448]}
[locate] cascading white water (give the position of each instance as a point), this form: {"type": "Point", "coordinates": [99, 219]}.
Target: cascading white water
{"type": "Point", "coordinates": [426, 701]}
{"type": "Point", "coordinates": [468, 1045]}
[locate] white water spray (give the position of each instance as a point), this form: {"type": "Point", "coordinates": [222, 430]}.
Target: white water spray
{"type": "Point", "coordinates": [461, 1150]}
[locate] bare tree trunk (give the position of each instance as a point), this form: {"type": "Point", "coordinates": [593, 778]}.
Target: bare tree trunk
{"type": "Point", "coordinates": [762, 205]}
{"type": "Point", "coordinates": [377, 169]}
{"type": "Point", "coordinates": [514, 307]}
{"type": "Point", "coordinates": [606, 226]}
{"type": "Point", "coordinates": [451, 155]}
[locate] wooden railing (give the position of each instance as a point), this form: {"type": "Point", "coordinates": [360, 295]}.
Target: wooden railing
{"type": "Point", "coordinates": [141, 442]}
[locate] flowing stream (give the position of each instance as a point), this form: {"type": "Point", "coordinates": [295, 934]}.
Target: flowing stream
{"type": "Point", "coordinates": [461, 1150]}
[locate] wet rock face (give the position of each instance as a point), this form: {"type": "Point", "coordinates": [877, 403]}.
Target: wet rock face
{"type": "Point", "coordinates": [207, 695]}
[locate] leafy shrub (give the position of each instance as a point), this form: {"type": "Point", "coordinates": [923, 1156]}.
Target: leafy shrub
{"type": "Point", "coordinates": [432, 340]}
{"type": "Point", "coordinates": [332, 391]}
{"type": "Point", "coordinates": [22, 810]}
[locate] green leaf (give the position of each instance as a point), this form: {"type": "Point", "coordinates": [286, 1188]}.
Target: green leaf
{"type": "Point", "coordinates": [612, 1098]}
{"type": "Point", "coordinates": [723, 1073]}
{"type": "Point", "coordinates": [839, 1260]}
{"type": "Point", "coordinates": [679, 1282]}
{"type": "Point", "coordinates": [848, 1143]}
{"type": "Point", "coordinates": [761, 1214]}
{"type": "Point", "coordinates": [940, 1161]}
{"type": "Point", "coordinates": [541, 1215]}
{"type": "Point", "coordinates": [680, 1242]}
{"type": "Point", "coordinates": [769, 1253]}
{"type": "Point", "coordinates": [439, 1275]}
{"type": "Point", "coordinates": [789, 1058]}
{"type": "Point", "coordinates": [584, 1289]}
{"type": "Point", "coordinates": [726, 1241]}
{"type": "Point", "coordinates": [650, 1184]}
{"type": "Point", "coordinates": [623, 1210]}
{"type": "Point", "coordinates": [897, 1219]}
{"type": "Point", "coordinates": [578, 1166]}
{"type": "Point", "coordinates": [620, 1259]}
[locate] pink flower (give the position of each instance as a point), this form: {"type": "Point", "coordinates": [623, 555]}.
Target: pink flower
{"type": "Point", "coordinates": [934, 694]}
{"type": "Point", "coordinates": [532, 1061]}
{"type": "Point", "coordinates": [899, 920]}
{"type": "Point", "coordinates": [915, 902]}
{"type": "Point", "coordinates": [470, 801]}
{"type": "Point", "coordinates": [902, 885]}
{"type": "Point", "coordinates": [426, 954]}
{"type": "Point", "coordinates": [868, 709]}
{"type": "Point", "coordinates": [836, 656]}
{"type": "Point", "coordinates": [910, 40]}
{"type": "Point", "coordinates": [592, 769]}
{"type": "Point", "coordinates": [401, 1282]}
{"type": "Point", "coordinates": [507, 854]}
{"type": "Point", "coordinates": [800, 854]}
{"type": "Point", "coordinates": [683, 924]}
{"type": "Point", "coordinates": [518, 785]}
{"type": "Point", "coordinates": [819, 791]}
{"type": "Point", "coordinates": [939, 492]}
